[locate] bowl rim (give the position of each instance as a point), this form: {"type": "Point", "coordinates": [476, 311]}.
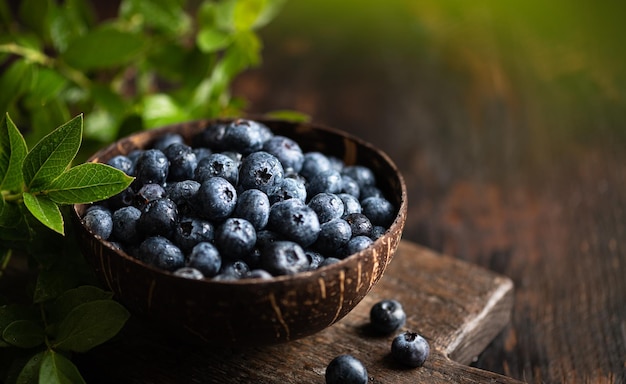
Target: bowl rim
{"type": "Point", "coordinates": [398, 222]}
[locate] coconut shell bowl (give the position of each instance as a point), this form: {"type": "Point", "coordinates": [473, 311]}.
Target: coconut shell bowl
{"type": "Point", "coordinates": [255, 311]}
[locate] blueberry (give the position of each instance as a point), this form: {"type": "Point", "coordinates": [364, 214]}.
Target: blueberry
{"type": "Point", "coordinates": [158, 217]}
{"type": "Point", "coordinates": [327, 181]}
{"type": "Point", "coordinates": [284, 258]}
{"type": "Point", "coordinates": [387, 316]}
{"type": "Point", "coordinates": [123, 163]}
{"type": "Point", "coordinates": [329, 261]}
{"type": "Point", "coordinates": [233, 271]}
{"type": "Point", "coordinates": [287, 151]}
{"type": "Point", "coordinates": [314, 163]}
{"type": "Point", "coordinates": [357, 244]}
{"type": "Point", "coordinates": [125, 222]}
{"type": "Point", "coordinates": [220, 165]}
{"type": "Point", "coordinates": [191, 231]}
{"type": "Point", "coordinates": [333, 236]}
{"type": "Point", "coordinates": [254, 206]}
{"type": "Point", "coordinates": [205, 257]}
{"type": "Point", "coordinates": [182, 160]}
{"type": "Point", "coordinates": [235, 238]}
{"type": "Point", "coordinates": [262, 171]}
{"type": "Point", "coordinates": [370, 191]}
{"type": "Point", "coordinates": [98, 220]}
{"type": "Point", "coordinates": [183, 194]}
{"type": "Point", "coordinates": [336, 163]}
{"type": "Point", "coordinates": [359, 224]}
{"type": "Point", "coordinates": [379, 210]}
{"type": "Point", "coordinates": [122, 199]}
{"type": "Point", "coordinates": [148, 193]}
{"type": "Point", "coordinates": [244, 136]}
{"type": "Point", "coordinates": [217, 198]}
{"type": "Point", "coordinates": [327, 206]}
{"type": "Point", "coordinates": [410, 348]}
{"type": "Point", "coordinates": [164, 141]}
{"type": "Point", "coordinates": [258, 274]}
{"type": "Point", "coordinates": [189, 273]}
{"type": "Point", "coordinates": [211, 137]}
{"type": "Point", "coordinates": [377, 231]}
{"type": "Point", "coordinates": [202, 153]}
{"type": "Point", "coordinates": [361, 174]}
{"type": "Point", "coordinates": [350, 204]}
{"type": "Point", "coordinates": [160, 252]}
{"type": "Point", "coordinates": [350, 186]}
{"type": "Point", "coordinates": [151, 168]}
{"type": "Point", "coordinates": [315, 259]}
{"type": "Point", "coordinates": [295, 221]}
{"type": "Point", "coordinates": [346, 369]}
{"type": "Point", "coordinates": [290, 188]}
{"type": "Point", "coordinates": [265, 237]}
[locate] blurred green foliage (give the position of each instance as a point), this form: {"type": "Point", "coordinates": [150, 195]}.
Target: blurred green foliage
{"type": "Point", "coordinates": [128, 65]}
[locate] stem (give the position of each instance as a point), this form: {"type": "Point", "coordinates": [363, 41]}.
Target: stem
{"type": "Point", "coordinates": [4, 261]}
{"type": "Point", "coordinates": [8, 196]}
{"type": "Point", "coordinates": [39, 57]}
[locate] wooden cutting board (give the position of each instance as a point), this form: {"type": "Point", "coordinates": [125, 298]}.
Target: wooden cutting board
{"type": "Point", "coordinates": [458, 307]}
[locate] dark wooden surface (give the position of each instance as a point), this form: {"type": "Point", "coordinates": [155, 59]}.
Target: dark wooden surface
{"type": "Point", "coordinates": [508, 122]}
{"type": "Point", "coordinates": [458, 307]}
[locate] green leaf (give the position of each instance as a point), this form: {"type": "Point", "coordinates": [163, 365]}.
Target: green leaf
{"type": "Point", "coordinates": [165, 15]}
{"type": "Point", "coordinates": [47, 84]}
{"type": "Point", "coordinates": [45, 210]}
{"type": "Point", "coordinates": [161, 109]}
{"type": "Point", "coordinates": [12, 152]}
{"type": "Point", "coordinates": [68, 22]}
{"type": "Point", "coordinates": [104, 47]}
{"type": "Point", "coordinates": [270, 10]}
{"type": "Point", "coordinates": [212, 40]}
{"type": "Point", "coordinates": [72, 298]}
{"type": "Point", "coordinates": [24, 334]}
{"type": "Point", "coordinates": [14, 82]}
{"type": "Point", "coordinates": [33, 14]}
{"type": "Point", "coordinates": [12, 313]}
{"type": "Point", "coordinates": [246, 13]}
{"type": "Point", "coordinates": [90, 324]}
{"type": "Point", "coordinates": [30, 372]}
{"type": "Point", "coordinates": [87, 183]}
{"type": "Point", "coordinates": [51, 156]}
{"type": "Point", "coordinates": [58, 369]}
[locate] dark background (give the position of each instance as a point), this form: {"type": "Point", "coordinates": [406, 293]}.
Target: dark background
{"type": "Point", "coordinates": [508, 122]}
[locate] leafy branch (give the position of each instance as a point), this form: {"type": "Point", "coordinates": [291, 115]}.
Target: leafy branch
{"type": "Point", "coordinates": [35, 185]}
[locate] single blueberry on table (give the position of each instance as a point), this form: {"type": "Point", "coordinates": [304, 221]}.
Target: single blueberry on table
{"type": "Point", "coordinates": [160, 252]}
{"type": "Point", "coordinates": [99, 221]}
{"type": "Point", "coordinates": [295, 221]}
{"type": "Point", "coordinates": [254, 206]}
{"type": "Point", "coordinates": [192, 230]}
{"type": "Point", "coordinates": [182, 160]}
{"type": "Point", "coordinates": [235, 238]}
{"type": "Point", "coordinates": [216, 198]}
{"type": "Point", "coordinates": [284, 258]}
{"type": "Point", "coordinates": [152, 167]}
{"type": "Point", "coordinates": [410, 349]}
{"type": "Point", "coordinates": [287, 151]}
{"type": "Point", "coordinates": [346, 369]}
{"type": "Point", "coordinates": [387, 316]}
{"type": "Point", "coordinates": [125, 222]}
{"type": "Point", "coordinates": [158, 217]}
{"type": "Point", "coordinates": [379, 210]}
{"type": "Point", "coordinates": [262, 171]}
{"type": "Point", "coordinates": [327, 206]}
{"type": "Point", "coordinates": [333, 237]}
{"type": "Point", "coordinates": [206, 258]}
{"type": "Point", "coordinates": [217, 165]}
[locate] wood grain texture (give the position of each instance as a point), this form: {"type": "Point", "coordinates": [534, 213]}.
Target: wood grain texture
{"type": "Point", "coordinates": [458, 307]}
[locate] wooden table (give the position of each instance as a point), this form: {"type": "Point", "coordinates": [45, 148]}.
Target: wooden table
{"type": "Point", "coordinates": [510, 131]}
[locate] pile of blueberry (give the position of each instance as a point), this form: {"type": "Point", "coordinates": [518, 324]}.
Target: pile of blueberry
{"type": "Point", "coordinates": [407, 348]}
{"type": "Point", "coordinates": [239, 201]}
